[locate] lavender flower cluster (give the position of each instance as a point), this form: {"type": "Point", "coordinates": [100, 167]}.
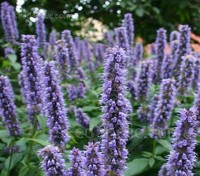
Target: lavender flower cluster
{"type": "Point", "coordinates": [163, 108]}
{"type": "Point", "coordinates": [54, 107]}
{"type": "Point", "coordinates": [115, 110]}
{"type": "Point", "coordinates": [8, 19]}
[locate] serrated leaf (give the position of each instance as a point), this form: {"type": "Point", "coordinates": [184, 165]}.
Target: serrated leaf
{"type": "Point", "coordinates": [137, 166]}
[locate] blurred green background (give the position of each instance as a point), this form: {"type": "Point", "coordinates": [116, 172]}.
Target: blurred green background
{"type": "Point", "coordinates": [148, 15]}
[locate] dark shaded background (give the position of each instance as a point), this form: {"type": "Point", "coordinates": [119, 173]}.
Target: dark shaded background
{"type": "Point", "coordinates": [148, 15]}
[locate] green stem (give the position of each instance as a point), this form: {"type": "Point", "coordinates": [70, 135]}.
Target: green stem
{"type": "Point", "coordinates": [11, 156]}
{"type": "Point", "coordinates": [31, 142]}
{"type": "Point", "coordinates": [154, 147]}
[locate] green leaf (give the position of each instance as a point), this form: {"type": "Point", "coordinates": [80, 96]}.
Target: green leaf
{"type": "Point", "coordinates": [159, 150]}
{"type": "Point", "coordinates": [3, 134]}
{"type": "Point", "coordinates": [139, 12]}
{"type": "Point", "coordinates": [39, 141]}
{"type": "Point", "coordinates": [137, 166]}
{"type": "Point", "coordinates": [12, 58]}
{"type": "Point", "coordinates": [89, 108]}
{"type": "Point", "coordinates": [16, 66]}
{"type": "Point", "coordinates": [42, 121]}
{"type": "Point", "coordinates": [151, 162]}
{"type": "Point", "coordinates": [94, 122]}
{"type": "Point", "coordinates": [165, 144]}
{"type": "Point", "coordinates": [12, 160]}
{"type": "Point", "coordinates": [160, 158]}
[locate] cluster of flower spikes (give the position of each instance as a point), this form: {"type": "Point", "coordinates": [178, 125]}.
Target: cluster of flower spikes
{"type": "Point", "coordinates": [186, 74]}
{"type": "Point", "coordinates": [9, 23]}
{"type": "Point", "coordinates": [115, 111]}
{"type": "Point", "coordinates": [54, 107]}
{"type": "Point", "coordinates": [94, 160]}
{"type": "Point", "coordinates": [143, 79]}
{"type": "Point", "coordinates": [31, 77]}
{"type": "Point", "coordinates": [77, 163]}
{"type": "Point", "coordinates": [184, 48]}
{"type": "Point", "coordinates": [164, 108]}
{"type": "Point", "coordinates": [161, 41]}
{"type": "Point", "coordinates": [41, 31]}
{"type": "Point", "coordinates": [81, 117]}
{"type": "Point", "coordinates": [8, 108]}
{"type": "Point", "coordinates": [182, 156]}
{"type": "Point", "coordinates": [53, 162]}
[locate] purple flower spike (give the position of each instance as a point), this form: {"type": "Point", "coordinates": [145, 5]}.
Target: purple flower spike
{"type": "Point", "coordinates": [115, 111]}
{"type": "Point", "coordinates": [161, 41]}
{"type": "Point", "coordinates": [41, 31]}
{"type": "Point", "coordinates": [94, 160]}
{"type": "Point", "coordinates": [182, 156]}
{"type": "Point", "coordinates": [82, 118]}
{"type": "Point", "coordinates": [9, 22]}
{"type": "Point", "coordinates": [142, 113]}
{"type": "Point", "coordinates": [8, 108]}
{"type": "Point", "coordinates": [121, 38]}
{"type": "Point", "coordinates": [138, 52]}
{"type": "Point", "coordinates": [54, 107]}
{"type": "Point", "coordinates": [174, 35]}
{"type": "Point", "coordinates": [68, 41]}
{"type": "Point", "coordinates": [14, 22]}
{"type": "Point", "coordinates": [174, 47]}
{"type": "Point", "coordinates": [99, 53]}
{"type": "Point", "coordinates": [164, 107]}
{"type": "Point", "coordinates": [151, 108]}
{"type": "Point", "coordinates": [184, 48]}
{"type": "Point", "coordinates": [89, 60]}
{"type": "Point", "coordinates": [186, 74]}
{"type": "Point", "coordinates": [53, 38]}
{"type": "Point", "coordinates": [32, 77]}
{"type": "Point", "coordinates": [109, 39]}
{"type": "Point", "coordinates": [144, 80]}
{"type": "Point", "coordinates": [167, 67]}
{"type": "Point", "coordinates": [77, 163]}
{"type": "Point", "coordinates": [196, 79]}
{"type": "Point", "coordinates": [128, 24]}
{"type": "Point", "coordinates": [53, 163]}
{"type": "Point", "coordinates": [63, 60]}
